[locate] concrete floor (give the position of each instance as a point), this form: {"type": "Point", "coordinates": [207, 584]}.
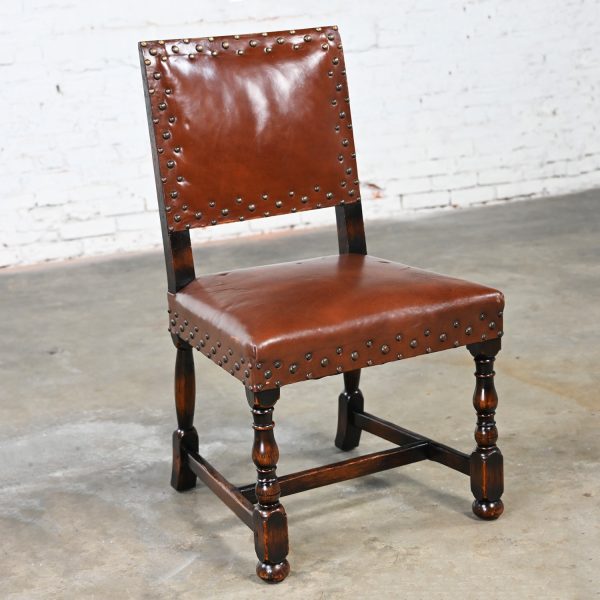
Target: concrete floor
{"type": "Point", "coordinates": [86, 510]}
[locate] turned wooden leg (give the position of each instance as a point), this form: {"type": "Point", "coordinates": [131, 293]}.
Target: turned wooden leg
{"type": "Point", "coordinates": [182, 478]}
{"type": "Point", "coordinates": [270, 520]}
{"type": "Point", "coordinates": [351, 399]}
{"type": "Point", "coordinates": [487, 478]}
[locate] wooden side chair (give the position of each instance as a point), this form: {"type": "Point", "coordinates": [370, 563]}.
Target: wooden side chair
{"type": "Point", "coordinates": [249, 126]}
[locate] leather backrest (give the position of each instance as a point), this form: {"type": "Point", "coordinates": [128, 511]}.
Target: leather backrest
{"type": "Point", "coordinates": [249, 126]}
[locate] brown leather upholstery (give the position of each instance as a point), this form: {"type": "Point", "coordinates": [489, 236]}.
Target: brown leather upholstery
{"type": "Point", "coordinates": [249, 126]}
{"type": "Point", "coordinates": [254, 125]}
{"type": "Point", "coordinates": [274, 325]}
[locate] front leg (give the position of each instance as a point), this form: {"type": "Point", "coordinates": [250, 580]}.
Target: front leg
{"type": "Point", "coordinates": [487, 477]}
{"type": "Point", "coordinates": [270, 520]}
{"type": "Point", "coordinates": [182, 478]}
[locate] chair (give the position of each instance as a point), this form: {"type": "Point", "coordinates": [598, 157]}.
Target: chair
{"type": "Point", "coordinates": [249, 126]}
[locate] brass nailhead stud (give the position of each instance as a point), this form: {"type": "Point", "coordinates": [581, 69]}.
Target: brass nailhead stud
{"type": "Point", "coordinates": [469, 330]}
{"type": "Point", "coordinates": [385, 349]}
{"type": "Point", "coordinates": [443, 337]}
{"type": "Point", "coordinates": [280, 40]}
{"type": "Point", "coordinates": [482, 316]}
{"type": "Point", "coordinates": [369, 343]}
{"type": "Point", "coordinates": [427, 332]}
{"type": "Point", "coordinates": [156, 75]}
{"type": "Point", "coordinates": [175, 49]}
{"type": "Point", "coordinates": [277, 364]}
{"type": "Point", "coordinates": [308, 355]}
{"type": "Point", "coordinates": [198, 215]}
{"type": "Point", "coordinates": [354, 356]}
{"type": "Point", "coordinates": [324, 362]}
{"type": "Point", "coordinates": [428, 350]}
{"type": "Point", "coordinates": [369, 362]}
{"type": "Point", "coordinates": [325, 46]}
{"type": "Point", "coordinates": [307, 38]}
{"type": "Point", "coordinates": [199, 48]}
{"type": "Point", "coordinates": [413, 343]}
{"type": "Point", "coordinates": [268, 374]}
{"type": "Point", "coordinates": [279, 204]}
{"type": "Point", "coordinates": [399, 337]}
{"type": "Point", "coordinates": [225, 45]}
{"type": "Point", "coordinates": [492, 325]}
{"type": "Point", "coordinates": [293, 368]}
{"type": "Point", "coordinates": [253, 43]}
{"type": "Point", "coordinates": [153, 51]}
{"type": "Point", "coordinates": [455, 324]}
{"type": "Point", "coordinates": [251, 207]}
{"type": "Point", "coordinates": [338, 350]}
{"type": "Point", "coordinates": [225, 212]}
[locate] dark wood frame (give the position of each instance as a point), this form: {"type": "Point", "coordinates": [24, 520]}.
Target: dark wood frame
{"type": "Point", "coordinates": [258, 504]}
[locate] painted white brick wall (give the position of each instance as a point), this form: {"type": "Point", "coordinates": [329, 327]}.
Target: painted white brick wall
{"type": "Point", "coordinates": [454, 103]}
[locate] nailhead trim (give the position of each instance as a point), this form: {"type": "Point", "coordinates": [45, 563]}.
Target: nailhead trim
{"type": "Point", "coordinates": [210, 48]}
{"type": "Point", "coordinates": [187, 331]}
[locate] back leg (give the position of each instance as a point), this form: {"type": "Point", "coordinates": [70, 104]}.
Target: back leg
{"type": "Point", "coordinates": [351, 399]}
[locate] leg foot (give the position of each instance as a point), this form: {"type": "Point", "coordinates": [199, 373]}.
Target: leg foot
{"type": "Point", "coordinates": [350, 400]}
{"type": "Point", "coordinates": [487, 510]}
{"type": "Point", "coordinates": [487, 476]}
{"type": "Point", "coordinates": [182, 478]}
{"type": "Point", "coordinates": [273, 573]}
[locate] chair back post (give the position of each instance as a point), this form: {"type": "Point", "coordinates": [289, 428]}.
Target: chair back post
{"type": "Point", "coordinates": [177, 246]}
{"type": "Point", "coordinates": [351, 229]}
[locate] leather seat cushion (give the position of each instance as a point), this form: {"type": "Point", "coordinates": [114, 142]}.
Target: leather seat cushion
{"type": "Point", "coordinates": [278, 324]}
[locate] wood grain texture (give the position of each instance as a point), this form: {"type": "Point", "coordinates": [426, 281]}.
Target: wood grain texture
{"type": "Point", "coordinates": [182, 477]}
{"type": "Point", "coordinates": [487, 476]}
{"type": "Point", "coordinates": [270, 519]}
